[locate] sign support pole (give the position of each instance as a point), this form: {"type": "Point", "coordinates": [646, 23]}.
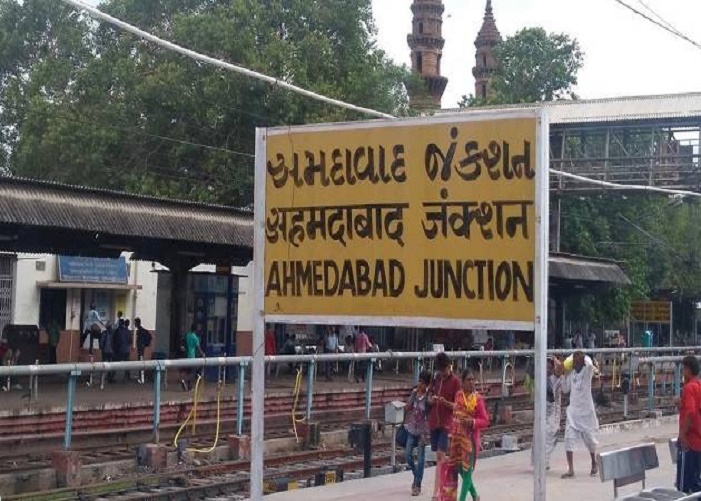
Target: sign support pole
{"type": "Point", "coordinates": [258, 365]}
{"type": "Point", "coordinates": [541, 307]}
{"type": "Point", "coordinates": [301, 278]}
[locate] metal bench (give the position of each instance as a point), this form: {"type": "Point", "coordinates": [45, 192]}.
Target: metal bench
{"type": "Point", "coordinates": [628, 466]}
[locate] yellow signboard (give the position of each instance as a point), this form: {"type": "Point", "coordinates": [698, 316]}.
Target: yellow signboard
{"type": "Point", "coordinates": [431, 219]}
{"type": "Point", "coordinates": [655, 312]}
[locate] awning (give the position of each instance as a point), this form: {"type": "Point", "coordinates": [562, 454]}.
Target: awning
{"type": "Point", "coordinates": [574, 268]}
{"type": "Point", "coordinates": [80, 285]}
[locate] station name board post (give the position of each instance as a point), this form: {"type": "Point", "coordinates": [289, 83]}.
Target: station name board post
{"type": "Point", "coordinates": [437, 222]}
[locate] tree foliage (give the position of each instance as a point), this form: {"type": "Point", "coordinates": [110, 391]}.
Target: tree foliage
{"type": "Point", "coordinates": [86, 103]}
{"type": "Point", "coordinates": [653, 237]}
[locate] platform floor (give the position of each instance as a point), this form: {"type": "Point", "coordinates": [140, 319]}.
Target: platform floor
{"type": "Point", "coordinates": [510, 477]}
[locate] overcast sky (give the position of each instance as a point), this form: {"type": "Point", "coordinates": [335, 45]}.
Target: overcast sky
{"type": "Point", "coordinates": [624, 54]}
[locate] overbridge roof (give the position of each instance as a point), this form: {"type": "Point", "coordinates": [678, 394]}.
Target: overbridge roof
{"type": "Point", "coordinates": [671, 107]}
{"type": "Point", "coordinates": [39, 216]}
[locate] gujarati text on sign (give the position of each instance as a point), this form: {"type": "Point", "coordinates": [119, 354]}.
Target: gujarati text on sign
{"type": "Point", "coordinates": [429, 220]}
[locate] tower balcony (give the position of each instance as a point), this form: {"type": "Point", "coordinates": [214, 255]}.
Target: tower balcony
{"type": "Point", "coordinates": [434, 8]}
{"type": "Point", "coordinates": [483, 72]}
{"type": "Point", "coordinates": [418, 42]}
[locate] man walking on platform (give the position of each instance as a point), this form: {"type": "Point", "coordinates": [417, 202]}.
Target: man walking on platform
{"type": "Point", "coordinates": [93, 328]}
{"type": "Point", "coordinates": [330, 347]}
{"type": "Point", "coordinates": [362, 345]}
{"type": "Point", "coordinates": [582, 422]}
{"type": "Point", "coordinates": [122, 345]}
{"type": "Point", "coordinates": [689, 441]}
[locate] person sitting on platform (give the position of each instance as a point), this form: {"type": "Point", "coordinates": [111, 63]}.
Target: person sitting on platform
{"type": "Point", "coordinates": [582, 422]}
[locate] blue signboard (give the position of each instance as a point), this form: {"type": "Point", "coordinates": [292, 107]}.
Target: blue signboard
{"type": "Point", "coordinates": [92, 270]}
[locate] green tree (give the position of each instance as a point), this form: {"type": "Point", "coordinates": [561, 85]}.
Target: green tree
{"type": "Point", "coordinates": [90, 104]}
{"type": "Point", "coordinates": [654, 238]}
{"type": "Point", "coordinates": [533, 66]}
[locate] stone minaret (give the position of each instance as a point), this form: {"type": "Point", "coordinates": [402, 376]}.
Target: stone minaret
{"type": "Point", "coordinates": [486, 64]}
{"type": "Point", "coordinates": [426, 42]}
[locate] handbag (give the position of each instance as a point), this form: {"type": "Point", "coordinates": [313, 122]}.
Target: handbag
{"type": "Point", "coordinates": [402, 436]}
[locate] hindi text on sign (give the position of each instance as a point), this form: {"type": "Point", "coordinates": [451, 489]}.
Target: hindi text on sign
{"type": "Point", "coordinates": [430, 219]}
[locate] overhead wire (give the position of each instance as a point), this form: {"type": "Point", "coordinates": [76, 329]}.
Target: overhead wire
{"type": "Point", "coordinates": [626, 187]}
{"type": "Point", "coordinates": [223, 64]}
{"type": "Point", "coordinates": [131, 130]}
{"type": "Point", "coordinates": [660, 24]}
{"type": "Point", "coordinates": [658, 16]}
{"type": "Point", "coordinates": [274, 81]}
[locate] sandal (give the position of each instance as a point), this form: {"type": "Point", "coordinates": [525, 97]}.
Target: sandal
{"type": "Point", "coordinates": [569, 474]}
{"type": "Point", "coordinates": [594, 472]}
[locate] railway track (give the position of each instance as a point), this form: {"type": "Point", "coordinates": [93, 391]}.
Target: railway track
{"type": "Point", "coordinates": [16, 460]}
{"type": "Point", "coordinates": [229, 480]}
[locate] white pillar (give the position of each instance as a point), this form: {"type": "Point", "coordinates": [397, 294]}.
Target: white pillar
{"type": "Point", "coordinates": [541, 307]}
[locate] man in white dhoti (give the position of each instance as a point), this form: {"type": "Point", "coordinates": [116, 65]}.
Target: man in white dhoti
{"type": "Point", "coordinates": [553, 412]}
{"type": "Point", "coordinates": [582, 422]}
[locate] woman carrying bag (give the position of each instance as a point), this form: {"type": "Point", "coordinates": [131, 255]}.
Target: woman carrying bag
{"type": "Point", "coordinates": [417, 431]}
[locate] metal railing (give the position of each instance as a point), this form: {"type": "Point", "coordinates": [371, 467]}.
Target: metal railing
{"type": "Point", "coordinates": [159, 367]}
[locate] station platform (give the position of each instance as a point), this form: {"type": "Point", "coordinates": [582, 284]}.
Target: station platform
{"type": "Point", "coordinates": [52, 393]}
{"type": "Point", "coordinates": [510, 477]}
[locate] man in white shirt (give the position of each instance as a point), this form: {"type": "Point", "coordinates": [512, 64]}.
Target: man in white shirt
{"type": "Point", "coordinates": [330, 346]}
{"type": "Point", "coordinates": [93, 327]}
{"type": "Point", "coordinates": [582, 422]}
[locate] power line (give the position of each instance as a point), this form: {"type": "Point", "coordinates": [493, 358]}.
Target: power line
{"type": "Point", "coordinates": [222, 64]}
{"type": "Point", "coordinates": [661, 19]}
{"type": "Point", "coordinates": [259, 76]}
{"type": "Point", "coordinates": [627, 187]}
{"type": "Point", "coordinates": [130, 130]}
{"type": "Point", "coordinates": [661, 25]}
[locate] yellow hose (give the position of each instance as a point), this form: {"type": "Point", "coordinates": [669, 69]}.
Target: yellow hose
{"type": "Point", "coordinates": [298, 387]}
{"type": "Point", "coordinates": [193, 416]}
{"type": "Point", "coordinates": [613, 375]}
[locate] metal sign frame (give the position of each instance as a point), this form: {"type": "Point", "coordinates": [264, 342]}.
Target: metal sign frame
{"type": "Point", "coordinates": [539, 326]}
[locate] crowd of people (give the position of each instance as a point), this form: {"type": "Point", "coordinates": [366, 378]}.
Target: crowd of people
{"type": "Point", "coordinates": [332, 341]}
{"type": "Point", "coordinates": [448, 413]}
{"type": "Point", "coordinates": [115, 339]}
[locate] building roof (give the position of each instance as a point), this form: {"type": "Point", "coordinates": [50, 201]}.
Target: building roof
{"type": "Point", "coordinates": [620, 109]}
{"type": "Point", "coordinates": [575, 268]}
{"type": "Point", "coordinates": [114, 218]}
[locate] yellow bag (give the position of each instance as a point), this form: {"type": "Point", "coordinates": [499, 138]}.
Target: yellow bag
{"type": "Point", "coordinates": [568, 364]}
